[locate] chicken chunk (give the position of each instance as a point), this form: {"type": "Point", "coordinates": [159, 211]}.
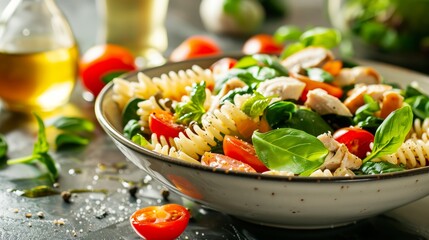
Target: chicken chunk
{"type": "Point", "coordinates": [357, 75]}
{"type": "Point", "coordinates": [323, 103]}
{"type": "Point", "coordinates": [355, 98]}
{"type": "Point", "coordinates": [308, 57]}
{"type": "Point", "coordinates": [282, 87]}
{"type": "Point", "coordinates": [391, 101]}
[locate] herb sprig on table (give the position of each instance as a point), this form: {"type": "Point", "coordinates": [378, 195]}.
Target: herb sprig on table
{"type": "Point", "coordinates": [72, 128]}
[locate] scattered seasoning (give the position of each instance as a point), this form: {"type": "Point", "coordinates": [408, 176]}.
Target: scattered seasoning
{"type": "Point", "coordinates": [29, 224]}
{"type": "Point", "coordinates": [66, 195]}
{"type": "Point", "coordinates": [41, 215]}
{"type": "Point", "coordinates": [75, 171]}
{"type": "Point", "coordinates": [15, 210]}
{"type": "Point", "coordinates": [165, 194]}
{"type": "Point", "coordinates": [100, 214]}
{"type": "Point", "coordinates": [28, 215]}
{"type": "Point", "coordinates": [74, 233]}
{"type": "Point", "coordinates": [56, 185]}
{"type": "Point", "coordinates": [59, 222]}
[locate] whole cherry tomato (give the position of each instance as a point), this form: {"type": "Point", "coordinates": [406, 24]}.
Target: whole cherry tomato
{"type": "Point", "coordinates": [242, 151]}
{"type": "Point", "coordinates": [217, 160]}
{"type": "Point", "coordinates": [193, 47]}
{"type": "Point", "coordinates": [262, 43]}
{"type": "Point", "coordinates": [357, 140]}
{"type": "Point", "coordinates": [101, 63]}
{"type": "Point", "coordinates": [162, 123]}
{"type": "Point", "coordinates": [160, 222]}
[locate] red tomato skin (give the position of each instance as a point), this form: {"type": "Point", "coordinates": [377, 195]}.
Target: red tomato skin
{"type": "Point", "coordinates": [357, 140]}
{"type": "Point", "coordinates": [162, 123]}
{"type": "Point", "coordinates": [223, 65]}
{"type": "Point", "coordinates": [194, 47]}
{"type": "Point", "coordinates": [101, 60]}
{"type": "Point", "coordinates": [217, 160]}
{"type": "Point", "coordinates": [242, 151]}
{"type": "Point", "coordinates": [262, 43]}
{"type": "Point", "coordinates": [151, 227]}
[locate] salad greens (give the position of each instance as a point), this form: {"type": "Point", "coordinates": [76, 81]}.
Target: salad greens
{"type": "Point", "coordinates": [288, 149]}
{"type": "Point", "coordinates": [192, 110]}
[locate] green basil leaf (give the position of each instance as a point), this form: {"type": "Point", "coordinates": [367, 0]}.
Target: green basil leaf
{"type": "Point", "coordinates": [320, 75]}
{"type": "Point", "coordinates": [140, 140]}
{"type": "Point", "coordinates": [371, 168]}
{"type": "Point", "coordinates": [241, 74]}
{"type": "Point", "coordinates": [130, 110]}
{"type": "Point", "coordinates": [49, 163]}
{"type": "Point", "coordinates": [194, 109]}
{"type": "Point", "coordinates": [391, 133]}
{"type": "Point", "coordinates": [279, 112]}
{"type": "Point", "coordinates": [41, 145]}
{"type": "Point", "coordinates": [246, 62]}
{"type": "Point", "coordinates": [74, 124]}
{"type": "Point", "coordinates": [229, 97]}
{"type": "Point", "coordinates": [67, 139]}
{"type": "Point", "coordinates": [287, 149]}
{"type": "Point", "coordinates": [38, 191]}
{"type": "Point", "coordinates": [271, 62]}
{"type": "Point", "coordinates": [231, 7]}
{"type": "Point", "coordinates": [307, 121]}
{"type": "Point", "coordinates": [255, 106]}
{"type": "Point", "coordinates": [111, 75]}
{"type": "Point", "coordinates": [322, 37]}
{"type": "Point", "coordinates": [420, 105]}
{"type": "Point", "coordinates": [291, 49]}
{"type": "Point", "coordinates": [132, 128]}
{"type": "Point", "coordinates": [287, 33]}
{"type": "Point", "coordinates": [3, 147]}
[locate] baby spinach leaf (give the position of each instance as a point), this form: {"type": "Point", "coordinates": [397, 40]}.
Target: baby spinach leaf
{"type": "Point", "coordinates": [238, 91]}
{"type": "Point", "coordinates": [420, 105]}
{"type": "Point", "coordinates": [322, 37]}
{"type": "Point", "coordinates": [74, 124]}
{"type": "Point", "coordinates": [287, 33]}
{"type": "Point", "coordinates": [241, 74]}
{"type": "Point", "coordinates": [380, 167]}
{"type": "Point", "coordinates": [287, 149]}
{"type": "Point", "coordinates": [140, 140]}
{"type": "Point", "coordinates": [41, 146]}
{"type": "Point", "coordinates": [194, 109]}
{"type": "Point", "coordinates": [279, 112]}
{"type": "Point", "coordinates": [132, 128]}
{"type": "Point", "coordinates": [130, 110]}
{"type": "Point", "coordinates": [255, 106]}
{"type": "Point", "coordinates": [391, 133]}
{"type": "Point", "coordinates": [291, 49]}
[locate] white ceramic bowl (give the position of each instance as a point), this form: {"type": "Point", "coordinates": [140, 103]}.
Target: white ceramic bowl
{"type": "Point", "coordinates": [292, 202]}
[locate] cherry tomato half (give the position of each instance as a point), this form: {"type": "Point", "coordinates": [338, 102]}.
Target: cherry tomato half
{"type": "Point", "coordinates": [101, 63]}
{"type": "Point", "coordinates": [193, 47]}
{"type": "Point", "coordinates": [242, 151]}
{"type": "Point", "coordinates": [160, 222]}
{"type": "Point", "coordinates": [162, 123]}
{"type": "Point", "coordinates": [357, 140]}
{"type": "Point", "coordinates": [217, 160]}
{"type": "Point", "coordinates": [262, 43]}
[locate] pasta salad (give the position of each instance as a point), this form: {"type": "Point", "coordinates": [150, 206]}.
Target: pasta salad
{"type": "Point", "coordinates": [309, 114]}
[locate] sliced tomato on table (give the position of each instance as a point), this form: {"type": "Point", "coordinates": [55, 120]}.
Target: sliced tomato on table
{"type": "Point", "coordinates": [262, 43]}
{"type": "Point", "coordinates": [101, 63]}
{"type": "Point", "coordinates": [356, 139]}
{"type": "Point", "coordinates": [194, 47]}
{"type": "Point", "coordinates": [162, 123]}
{"type": "Point", "coordinates": [160, 222]}
{"type": "Point", "coordinates": [242, 151]}
{"type": "Point", "coordinates": [217, 160]}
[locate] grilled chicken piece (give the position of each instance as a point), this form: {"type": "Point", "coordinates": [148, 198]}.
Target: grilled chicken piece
{"type": "Point", "coordinates": [339, 156]}
{"type": "Point", "coordinates": [308, 57]}
{"type": "Point", "coordinates": [391, 101]}
{"type": "Point", "coordinates": [355, 98]}
{"type": "Point", "coordinates": [323, 103]}
{"type": "Point", "coordinates": [283, 87]}
{"type": "Point", "coordinates": [356, 75]}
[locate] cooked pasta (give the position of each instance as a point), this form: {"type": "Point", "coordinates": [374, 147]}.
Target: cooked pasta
{"type": "Point", "coordinates": [145, 108]}
{"type": "Point", "coordinates": [420, 129]}
{"type": "Point", "coordinates": [412, 153]}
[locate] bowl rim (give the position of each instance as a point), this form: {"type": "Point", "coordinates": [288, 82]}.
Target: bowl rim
{"type": "Point", "coordinates": [118, 136]}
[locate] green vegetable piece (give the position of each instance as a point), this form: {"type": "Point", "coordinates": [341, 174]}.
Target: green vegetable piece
{"type": "Point", "coordinates": [322, 37]}
{"type": "Point", "coordinates": [318, 74]}
{"type": "Point", "coordinates": [287, 33]}
{"type": "Point", "coordinates": [41, 146]}
{"type": "Point", "coordinates": [140, 140]}
{"type": "Point", "coordinates": [271, 62]}
{"type": "Point", "coordinates": [288, 149]}
{"type": "Point", "coordinates": [38, 191]}
{"type": "Point", "coordinates": [132, 128]}
{"type": "Point", "coordinates": [279, 112]}
{"type": "Point", "coordinates": [371, 168]}
{"type": "Point", "coordinates": [238, 91]}
{"type": "Point", "coordinates": [241, 74]}
{"type": "Point", "coordinates": [3, 147]}
{"type": "Point", "coordinates": [74, 124]}
{"type": "Point", "coordinates": [130, 110]}
{"type": "Point", "coordinates": [194, 109]}
{"type": "Point", "coordinates": [255, 106]}
{"type": "Point", "coordinates": [391, 133]}
{"type": "Point", "coordinates": [49, 163]}
{"type": "Point", "coordinates": [67, 139]}
{"type": "Point", "coordinates": [291, 49]}
{"type": "Point", "coordinates": [309, 122]}
{"type": "Point", "coordinates": [111, 75]}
